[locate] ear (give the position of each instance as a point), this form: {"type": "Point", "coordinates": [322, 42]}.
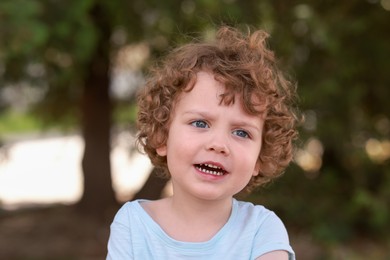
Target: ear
{"type": "Point", "coordinates": [256, 169]}
{"type": "Point", "coordinates": [162, 151]}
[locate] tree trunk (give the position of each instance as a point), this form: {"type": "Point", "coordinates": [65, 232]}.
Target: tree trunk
{"type": "Point", "coordinates": [98, 196]}
{"type": "Point", "coordinates": [153, 187]}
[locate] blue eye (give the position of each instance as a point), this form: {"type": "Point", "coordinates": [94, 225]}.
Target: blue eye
{"type": "Point", "coordinates": [241, 133]}
{"type": "Point", "coordinates": [200, 124]}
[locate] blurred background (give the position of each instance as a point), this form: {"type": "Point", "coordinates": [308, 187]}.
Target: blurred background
{"type": "Point", "coordinates": [68, 75]}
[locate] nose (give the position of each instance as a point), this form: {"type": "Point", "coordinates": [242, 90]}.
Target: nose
{"type": "Point", "coordinates": [219, 143]}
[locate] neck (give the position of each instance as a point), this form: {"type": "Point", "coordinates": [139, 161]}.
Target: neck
{"type": "Point", "coordinates": [196, 221]}
{"type": "Point", "coordinates": [193, 210]}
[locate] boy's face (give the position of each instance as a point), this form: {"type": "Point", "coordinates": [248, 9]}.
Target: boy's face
{"type": "Point", "coordinates": [212, 148]}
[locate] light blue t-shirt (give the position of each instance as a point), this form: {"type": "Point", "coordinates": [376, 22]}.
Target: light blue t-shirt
{"type": "Point", "coordinates": [250, 232]}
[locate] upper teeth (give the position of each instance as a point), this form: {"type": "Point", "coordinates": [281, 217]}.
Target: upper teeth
{"type": "Point", "coordinates": [212, 166]}
{"type": "Point", "coordinates": [218, 173]}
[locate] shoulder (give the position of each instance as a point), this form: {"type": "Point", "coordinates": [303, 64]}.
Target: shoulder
{"type": "Point", "coordinates": [154, 208]}
{"type": "Point", "coordinates": [270, 232]}
{"type": "Point", "coordinates": [252, 211]}
{"type": "Point", "coordinates": [130, 205]}
{"type": "Point", "coordinates": [265, 219]}
{"type": "Point", "coordinates": [127, 210]}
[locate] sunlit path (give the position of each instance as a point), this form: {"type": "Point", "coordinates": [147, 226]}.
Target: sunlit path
{"type": "Point", "coordinates": [48, 170]}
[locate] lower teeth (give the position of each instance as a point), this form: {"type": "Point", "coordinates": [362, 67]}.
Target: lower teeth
{"type": "Point", "coordinates": [211, 172]}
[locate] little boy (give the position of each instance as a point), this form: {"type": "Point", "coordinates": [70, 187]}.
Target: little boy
{"type": "Point", "coordinates": [217, 118]}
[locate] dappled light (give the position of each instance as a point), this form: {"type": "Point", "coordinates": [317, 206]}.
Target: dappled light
{"type": "Point", "coordinates": [47, 170]}
{"type": "Point", "coordinates": [41, 171]}
{"type": "Point", "coordinates": [126, 71]}
{"type": "Point", "coordinates": [378, 151]}
{"type": "Point", "coordinates": [58, 57]}
{"type": "Point", "coordinates": [310, 121]}
{"type": "Point", "coordinates": [382, 125]}
{"type": "Point", "coordinates": [188, 7]}
{"type": "Point", "coordinates": [309, 158]}
{"type": "Point", "coordinates": [385, 4]}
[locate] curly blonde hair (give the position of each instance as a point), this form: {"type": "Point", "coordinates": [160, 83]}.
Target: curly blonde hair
{"type": "Point", "coordinates": [247, 68]}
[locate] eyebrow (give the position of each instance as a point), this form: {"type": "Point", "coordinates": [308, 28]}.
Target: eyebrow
{"type": "Point", "coordinates": [241, 123]}
{"type": "Point", "coordinates": [199, 112]}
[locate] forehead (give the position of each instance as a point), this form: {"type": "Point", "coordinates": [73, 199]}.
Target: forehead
{"type": "Point", "coordinates": [201, 87]}
{"type": "Point", "coordinates": [205, 83]}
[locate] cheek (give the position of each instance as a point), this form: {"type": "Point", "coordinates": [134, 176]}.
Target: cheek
{"type": "Point", "coordinates": [253, 162]}
{"type": "Point", "coordinates": [181, 150]}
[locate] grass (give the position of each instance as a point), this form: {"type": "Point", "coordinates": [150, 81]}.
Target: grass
{"type": "Point", "coordinates": [125, 114]}
{"type": "Point", "coordinates": [13, 122]}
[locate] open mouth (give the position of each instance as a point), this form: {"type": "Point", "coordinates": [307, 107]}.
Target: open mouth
{"type": "Point", "coordinates": [211, 169]}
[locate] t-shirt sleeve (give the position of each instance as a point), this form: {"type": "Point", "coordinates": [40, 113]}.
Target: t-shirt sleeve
{"type": "Point", "coordinates": [119, 242]}
{"type": "Point", "coordinates": [271, 236]}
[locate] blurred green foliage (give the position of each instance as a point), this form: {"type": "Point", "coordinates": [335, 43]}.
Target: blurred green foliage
{"type": "Point", "coordinates": [338, 51]}
{"type": "Point", "coordinates": [12, 123]}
